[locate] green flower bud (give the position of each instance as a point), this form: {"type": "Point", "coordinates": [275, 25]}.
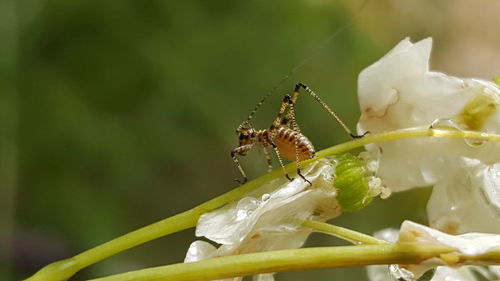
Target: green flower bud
{"type": "Point", "coordinates": [352, 182]}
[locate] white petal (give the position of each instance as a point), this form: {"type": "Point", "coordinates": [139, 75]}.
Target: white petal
{"type": "Point", "coordinates": [399, 91]}
{"type": "Point", "coordinates": [445, 273]}
{"type": "Point", "coordinates": [199, 250]}
{"type": "Point", "coordinates": [468, 200]}
{"type": "Point", "coordinates": [270, 218]}
{"type": "Point", "coordinates": [378, 273]}
{"type": "Point", "coordinates": [376, 82]}
{"type": "Point", "coordinates": [388, 234]}
{"type": "Point", "coordinates": [293, 200]}
{"type": "Point", "coordinates": [263, 277]}
{"type": "Point", "coordinates": [469, 244]}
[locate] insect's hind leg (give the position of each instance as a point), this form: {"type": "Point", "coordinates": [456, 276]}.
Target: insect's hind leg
{"type": "Point", "coordinates": [297, 162]}
{"type": "Point", "coordinates": [276, 150]}
{"type": "Point", "coordinates": [268, 159]}
{"type": "Point", "coordinates": [287, 101]}
{"type": "Point", "coordinates": [291, 122]}
{"type": "Point", "coordinates": [318, 99]}
{"type": "Point", "coordinates": [289, 119]}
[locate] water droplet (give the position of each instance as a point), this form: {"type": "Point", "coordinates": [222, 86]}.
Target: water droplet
{"type": "Point", "coordinates": [241, 215]}
{"type": "Point", "coordinates": [474, 142]}
{"type": "Point", "coordinates": [245, 207]}
{"type": "Point", "coordinates": [398, 273]}
{"type": "Point", "coordinates": [445, 123]}
{"type": "Point", "coordinates": [265, 197]}
{"type": "Point", "coordinates": [448, 124]}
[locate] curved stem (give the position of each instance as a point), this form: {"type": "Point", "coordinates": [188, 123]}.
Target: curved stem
{"type": "Point", "coordinates": [349, 235]}
{"type": "Point", "coordinates": [287, 260]}
{"type": "Point", "coordinates": [64, 269]}
{"type": "Point", "coordinates": [404, 134]}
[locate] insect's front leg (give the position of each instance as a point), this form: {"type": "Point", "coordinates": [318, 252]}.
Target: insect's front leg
{"type": "Point", "coordinates": [241, 151]}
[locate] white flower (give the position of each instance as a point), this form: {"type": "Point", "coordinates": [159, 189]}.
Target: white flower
{"type": "Point", "coordinates": [468, 200]}
{"type": "Point", "coordinates": [269, 218]}
{"type": "Point", "coordinates": [399, 91]}
{"type": "Point", "coordinates": [272, 216]}
{"type": "Point", "coordinates": [470, 245]}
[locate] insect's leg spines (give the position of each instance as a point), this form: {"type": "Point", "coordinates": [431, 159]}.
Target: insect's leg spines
{"type": "Point", "coordinates": [291, 122]}
{"type": "Point", "coordinates": [268, 159]}
{"type": "Point", "coordinates": [290, 116]}
{"type": "Point", "coordinates": [297, 161]}
{"type": "Point", "coordinates": [284, 105]}
{"type": "Point", "coordinates": [318, 99]}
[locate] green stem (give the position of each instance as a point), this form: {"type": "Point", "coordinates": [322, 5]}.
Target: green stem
{"type": "Point", "coordinates": [286, 260]}
{"type": "Point", "coordinates": [351, 236]}
{"type": "Point", "coordinates": [64, 269]}
{"type": "Point", "coordinates": [404, 134]}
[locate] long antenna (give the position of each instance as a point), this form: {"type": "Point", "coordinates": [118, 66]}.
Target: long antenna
{"type": "Point", "coordinates": [305, 61]}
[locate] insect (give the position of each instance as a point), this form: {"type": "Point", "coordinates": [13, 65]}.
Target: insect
{"type": "Point", "coordinates": [283, 136]}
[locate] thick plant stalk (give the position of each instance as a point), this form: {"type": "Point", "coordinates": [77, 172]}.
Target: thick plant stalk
{"type": "Point", "coordinates": [64, 269]}
{"type": "Point", "coordinates": [289, 260]}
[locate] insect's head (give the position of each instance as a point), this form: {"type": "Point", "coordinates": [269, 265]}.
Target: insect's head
{"type": "Point", "coordinates": [246, 134]}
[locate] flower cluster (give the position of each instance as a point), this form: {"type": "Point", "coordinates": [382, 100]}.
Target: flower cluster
{"type": "Point", "coordinates": [398, 91]}
{"type": "Point", "coordinates": [470, 244]}
{"type": "Point", "coordinates": [271, 217]}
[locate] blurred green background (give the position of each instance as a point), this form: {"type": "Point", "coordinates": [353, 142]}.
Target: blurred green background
{"type": "Point", "coordinates": [116, 114]}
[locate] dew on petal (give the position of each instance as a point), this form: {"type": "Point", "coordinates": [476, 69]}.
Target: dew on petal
{"type": "Point", "coordinates": [445, 123]}
{"type": "Point", "coordinates": [245, 207]}
{"type": "Point", "coordinates": [265, 197]}
{"type": "Point", "coordinates": [397, 272]}
{"type": "Point", "coordinates": [474, 142]}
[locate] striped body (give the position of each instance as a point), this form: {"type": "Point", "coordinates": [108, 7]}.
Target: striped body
{"type": "Point", "coordinates": [283, 136]}
{"type": "Point", "coordinates": [291, 143]}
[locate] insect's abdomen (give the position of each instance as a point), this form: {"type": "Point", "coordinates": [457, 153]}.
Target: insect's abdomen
{"type": "Point", "coordinates": [285, 141]}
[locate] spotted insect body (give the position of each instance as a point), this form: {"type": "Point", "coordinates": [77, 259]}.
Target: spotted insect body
{"type": "Point", "coordinates": [283, 136]}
